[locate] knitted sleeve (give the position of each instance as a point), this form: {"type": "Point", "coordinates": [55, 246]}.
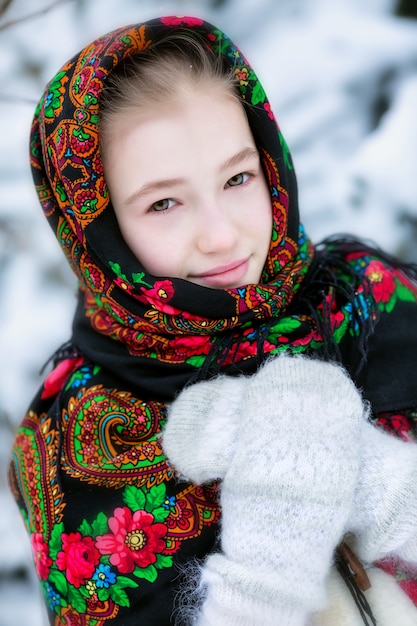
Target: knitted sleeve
{"type": "Point", "coordinates": [384, 518]}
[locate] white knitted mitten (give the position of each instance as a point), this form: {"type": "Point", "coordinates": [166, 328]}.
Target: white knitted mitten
{"type": "Point", "coordinates": [289, 448]}
{"type": "Point", "coordinates": [199, 438]}
{"type": "Point", "coordinates": [384, 517]}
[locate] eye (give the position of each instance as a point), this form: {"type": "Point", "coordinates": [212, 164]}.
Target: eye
{"type": "Point", "coordinates": [162, 205]}
{"type": "Point", "coordinates": [237, 180]}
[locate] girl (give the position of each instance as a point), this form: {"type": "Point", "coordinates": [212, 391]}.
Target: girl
{"type": "Point", "coordinates": [159, 165]}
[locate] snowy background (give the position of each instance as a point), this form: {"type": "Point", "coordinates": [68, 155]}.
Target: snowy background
{"type": "Point", "coordinates": [342, 78]}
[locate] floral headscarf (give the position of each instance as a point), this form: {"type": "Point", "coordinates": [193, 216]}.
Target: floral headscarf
{"type": "Point", "coordinates": [146, 329]}
{"type": "Point", "coordinates": [171, 321]}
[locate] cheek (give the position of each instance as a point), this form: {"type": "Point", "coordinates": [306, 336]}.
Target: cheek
{"type": "Point", "coordinates": [156, 254]}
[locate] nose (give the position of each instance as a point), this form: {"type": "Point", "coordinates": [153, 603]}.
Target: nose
{"type": "Point", "coordinates": [215, 230]}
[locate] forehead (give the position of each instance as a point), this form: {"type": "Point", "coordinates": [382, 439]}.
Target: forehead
{"type": "Point", "coordinates": [200, 104]}
{"type": "Point", "coordinates": [196, 132]}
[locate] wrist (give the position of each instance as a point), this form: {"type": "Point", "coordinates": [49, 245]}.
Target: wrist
{"type": "Point", "coordinates": [252, 590]}
{"type": "Point", "coordinates": [385, 503]}
{"type": "Point", "coordinates": [244, 602]}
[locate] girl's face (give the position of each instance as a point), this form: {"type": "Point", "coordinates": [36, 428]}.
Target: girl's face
{"type": "Point", "coordinates": [189, 192]}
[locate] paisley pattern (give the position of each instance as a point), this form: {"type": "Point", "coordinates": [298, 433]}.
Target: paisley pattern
{"type": "Point", "coordinates": [89, 561]}
{"type": "Point", "coordinates": [116, 433]}
{"type": "Point", "coordinates": [110, 524]}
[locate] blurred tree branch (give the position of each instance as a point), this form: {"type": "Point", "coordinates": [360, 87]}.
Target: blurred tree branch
{"type": "Point", "coordinates": [4, 5]}
{"type": "Point", "coordinates": [407, 8]}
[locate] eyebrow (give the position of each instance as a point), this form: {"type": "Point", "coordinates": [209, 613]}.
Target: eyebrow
{"type": "Point", "coordinates": [156, 185]}
{"type": "Point", "coordinates": [240, 157]}
{"type": "Point", "coordinates": [160, 185]}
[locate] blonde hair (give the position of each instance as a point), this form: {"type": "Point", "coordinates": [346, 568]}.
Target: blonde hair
{"type": "Point", "coordinates": [162, 74]}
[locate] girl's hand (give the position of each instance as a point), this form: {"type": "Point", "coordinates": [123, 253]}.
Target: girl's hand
{"type": "Point", "coordinates": [285, 441]}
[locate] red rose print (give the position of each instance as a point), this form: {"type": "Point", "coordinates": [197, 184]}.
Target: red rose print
{"type": "Point", "coordinates": [40, 550]}
{"type": "Point", "coordinates": [56, 379]}
{"type": "Point", "coordinates": [78, 558]}
{"type": "Point", "coordinates": [396, 423]}
{"type": "Point", "coordinates": [159, 296]}
{"type": "Point", "coordinates": [410, 587]}
{"type": "Point", "coordinates": [382, 281]}
{"type": "Point", "coordinates": [135, 539]}
{"type": "Point", "coordinates": [267, 108]}
{"type": "Point", "coordinates": [178, 20]}
{"type": "Point", "coordinates": [405, 573]}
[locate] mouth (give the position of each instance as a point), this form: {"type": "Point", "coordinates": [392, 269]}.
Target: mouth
{"type": "Point", "coordinates": [223, 276]}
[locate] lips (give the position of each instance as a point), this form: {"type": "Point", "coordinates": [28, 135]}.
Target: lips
{"type": "Point", "coordinates": [223, 276]}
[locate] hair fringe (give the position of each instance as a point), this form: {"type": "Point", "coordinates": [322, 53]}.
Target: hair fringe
{"type": "Point", "coordinates": [163, 71]}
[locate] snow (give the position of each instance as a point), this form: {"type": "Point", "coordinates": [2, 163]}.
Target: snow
{"type": "Point", "coordinates": [342, 79]}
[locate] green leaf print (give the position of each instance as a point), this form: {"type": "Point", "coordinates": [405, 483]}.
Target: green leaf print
{"type": "Point", "coordinates": [285, 151]}
{"type": "Point", "coordinates": [103, 594]}
{"type": "Point", "coordinates": [119, 596]}
{"type": "Point", "coordinates": [258, 94]}
{"type": "Point", "coordinates": [52, 101]}
{"type": "Point", "coordinates": [285, 326]}
{"type": "Point", "coordinates": [388, 306]}
{"type": "Point", "coordinates": [340, 332]}
{"type": "Point", "coordinates": [85, 592]}
{"type": "Point", "coordinates": [55, 543]}
{"type": "Point", "coordinates": [163, 561]}
{"type": "Point", "coordinates": [196, 361]}
{"type": "Point", "coordinates": [115, 267]}
{"type": "Point", "coordinates": [100, 524]}
{"type": "Point", "coordinates": [160, 514]}
{"type": "Point", "coordinates": [123, 582]}
{"type": "Point", "coordinates": [404, 293]}
{"type": "Point", "coordinates": [76, 599]}
{"type": "Point", "coordinates": [137, 278]}
{"type": "Point", "coordinates": [221, 44]}
{"type": "Point", "coordinates": [155, 497]}
{"type": "Point", "coordinates": [149, 573]}
{"type": "Point", "coordinates": [58, 580]}
{"type": "Point", "coordinates": [85, 528]}
{"type": "Point", "coordinates": [134, 498]}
